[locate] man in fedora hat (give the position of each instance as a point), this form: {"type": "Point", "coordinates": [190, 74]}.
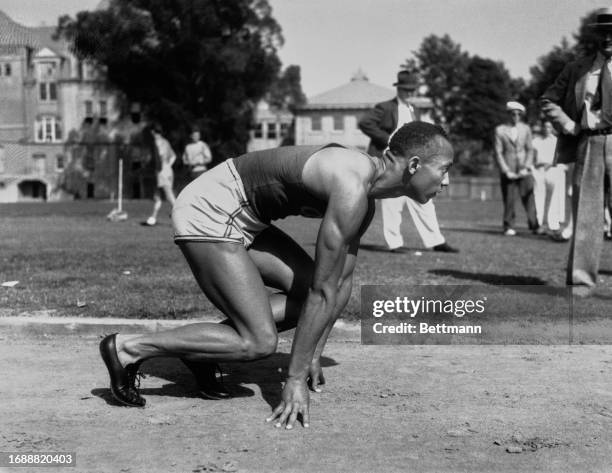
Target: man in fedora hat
{"type": "Point", "coordinates": [579, 105]}
{"type": "Point", "coordinates": [514, 157]}
{"type": "Point", "coordinates": [379, 124]}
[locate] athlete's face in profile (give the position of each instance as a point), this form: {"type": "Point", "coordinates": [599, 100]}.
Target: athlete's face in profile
{"type": "Point", "coordinates": [430, 175]}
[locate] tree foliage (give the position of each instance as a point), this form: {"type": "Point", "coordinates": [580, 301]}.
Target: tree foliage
{"type": "Point", "coordinates": [469, 95]}
{"type": "Point", "coordinates": [550, 65]}
{"type": "Point", "coordinates": [468, 92]}
{"type": "Point", "coordinates": [485, 93]}
{"type": "Point", "coordinates": [544, 73]}
{"type": "Point", "coordinates": [443, 67]}
{"type": "Point", "coordinates": [188, 62]}
{"type": "Point", "coordinates": [286, 93]}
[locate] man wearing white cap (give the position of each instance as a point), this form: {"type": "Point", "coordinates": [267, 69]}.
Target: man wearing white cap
{"type": "Point", "coordinates": [579, 105]}
{"type": "Point", "coordinates": [514, 156]}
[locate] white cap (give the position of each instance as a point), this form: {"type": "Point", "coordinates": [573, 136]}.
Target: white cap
{"type": "Point", "coordinates": [512, 105]}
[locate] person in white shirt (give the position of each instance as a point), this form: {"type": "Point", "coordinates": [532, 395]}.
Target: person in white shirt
{"type": "Point", "coordinates": [549, 183]}
{"type": "Point", "coordinates": [197, 155]}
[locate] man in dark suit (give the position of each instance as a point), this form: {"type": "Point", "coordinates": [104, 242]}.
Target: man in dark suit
{"type": "Point", "coordinates": [379, 124]}
{"type": "Point", "coordinates": [579, 105]}
{"type": "Point", "coordinates": [514, 157]}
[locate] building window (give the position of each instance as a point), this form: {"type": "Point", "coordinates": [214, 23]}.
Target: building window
{"type": "Point", "coordinates": [284, 130]}
{"type": "Point", "coordinates": [7, 70]}
{"type": "Point", "coordinates": [338, 122]}
{"type": "Point", "coordinates": [258, 130]}
{"type": "Point", "coordinates": [48, 91]}
{"type": "Point", "coordinates": [1, 160]}
{"type": "Point", "coordinates": [315, 123]}
{"type": "Point", "coordinates": [350, 121]}
{"type": "Point", "coordinates": [46, 73]}
{"type": "Point", "coordinates": [48, 129]}
{"type": "Point", "coordinates": [88, 108]}
{"type": "Point", "coordinates": [103, 108]}
{"type": "Point", "coordinates": [86, 70]}
{"type": "Point", "coordinates": [272, 131]}
{"type": "Point", "coordinates": [59, 162]}
{"type": "Point", "coordinates": [40, 160]}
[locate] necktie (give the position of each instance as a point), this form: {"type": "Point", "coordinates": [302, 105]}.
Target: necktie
{"type": "Point", "coordinates": [598, 98]}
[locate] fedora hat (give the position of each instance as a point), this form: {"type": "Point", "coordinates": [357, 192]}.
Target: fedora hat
{"type": "Point", "coordinates": [407, 80]}
{"type": "Point", "coordinates": [603, 18]}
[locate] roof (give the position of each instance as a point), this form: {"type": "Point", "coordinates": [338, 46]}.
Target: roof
{"type": "Point", "coordinates": [38, 37]}
{"type": "Point", "coordinates": [14, 34]}
{"type": "Point", "coordinates": [44, 35]}
{"type": "Point", "coordinates": [358, 93]}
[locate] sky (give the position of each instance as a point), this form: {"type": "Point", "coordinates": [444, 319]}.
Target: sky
{"type": "Point", "coordinates": [331, 39]}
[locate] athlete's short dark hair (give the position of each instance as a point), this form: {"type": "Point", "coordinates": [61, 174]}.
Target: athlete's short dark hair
{"type": "Point", "coordinates": [415, 138]}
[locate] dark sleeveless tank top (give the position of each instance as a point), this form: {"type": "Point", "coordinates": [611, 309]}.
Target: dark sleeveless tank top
{"type": "Point", "coordinates": [273, 183]}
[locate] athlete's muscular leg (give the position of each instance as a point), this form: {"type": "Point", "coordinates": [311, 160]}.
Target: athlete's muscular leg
{"type": "Point", "coordinates": [231, 281]}
{"type": "Point", "coordinates": [285, 266]}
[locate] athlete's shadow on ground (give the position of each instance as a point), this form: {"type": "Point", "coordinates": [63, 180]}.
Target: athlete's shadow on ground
{"type": "Point", "coordinates": [267, 374]}
{"type": "Point", "coordinates": [490, 230]}
{"type": "Point", "coordinates": [385, 249]}
{"type": "Point", "coordinates": [490, 278]}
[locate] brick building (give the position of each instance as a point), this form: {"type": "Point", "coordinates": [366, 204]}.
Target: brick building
{"type": "Point", "coordinates": [46, 96]}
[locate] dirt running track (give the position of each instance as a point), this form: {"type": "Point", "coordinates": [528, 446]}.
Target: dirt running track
{"type": "Point", "coordinates": [384, 409]}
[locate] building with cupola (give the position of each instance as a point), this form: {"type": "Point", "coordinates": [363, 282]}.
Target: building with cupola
{"type": "Point", "coordinates": [332, 116]}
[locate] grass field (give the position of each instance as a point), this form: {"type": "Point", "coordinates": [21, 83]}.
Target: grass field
{"type": "Point", "coordinates": [69, 260]}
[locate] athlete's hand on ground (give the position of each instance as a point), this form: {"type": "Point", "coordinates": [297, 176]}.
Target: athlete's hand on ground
{"type": "Point", "coordinates": [315, 376]}
{"type": "Point", "coordinates": [295, 401]}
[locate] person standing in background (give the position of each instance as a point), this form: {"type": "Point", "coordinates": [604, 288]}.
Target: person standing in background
{"type": "Point", "coordinates": [514, 157]}
{"type": "Point", "coordinates": [163, 157]}
{"type": "Point", "coordinates": [549, 183]}
{"type": "Point", "coordinates": [379, 124]}
{"type": "Point", "coordinates": [197, 155]}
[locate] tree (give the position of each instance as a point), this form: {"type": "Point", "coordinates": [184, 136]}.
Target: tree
{"type": "Point", "coordinates": [469, 94]}
{"type": "Point", "coordinates": [286, 93]}
{"type": "Point", "coordinates": [204, 62]}
{"type": "Point", "coordinates": [544, 73]}
{"type": "Point", "coordinates": [443, 66]}
{"type": "Point", "coordinates": [481, 107]}
{"type": "Point", "coordinates": [485, 93]}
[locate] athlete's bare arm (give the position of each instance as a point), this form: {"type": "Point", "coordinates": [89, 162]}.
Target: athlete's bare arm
{"type": "Point", "coordinates": [345, 184]}
{"type": "Point", "coordinates": [315, 374]}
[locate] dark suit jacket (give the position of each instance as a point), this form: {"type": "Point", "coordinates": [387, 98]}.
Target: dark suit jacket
{"type": "Point", "coordinates": [379, 123]}
{"type": "Point", "coordinates": [567, 92]}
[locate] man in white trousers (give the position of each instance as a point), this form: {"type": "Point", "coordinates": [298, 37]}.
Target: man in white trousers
{"type": "Point", "coordinates": [379, 124]}
{"type": "Point", "coordinates": [549, 184]}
